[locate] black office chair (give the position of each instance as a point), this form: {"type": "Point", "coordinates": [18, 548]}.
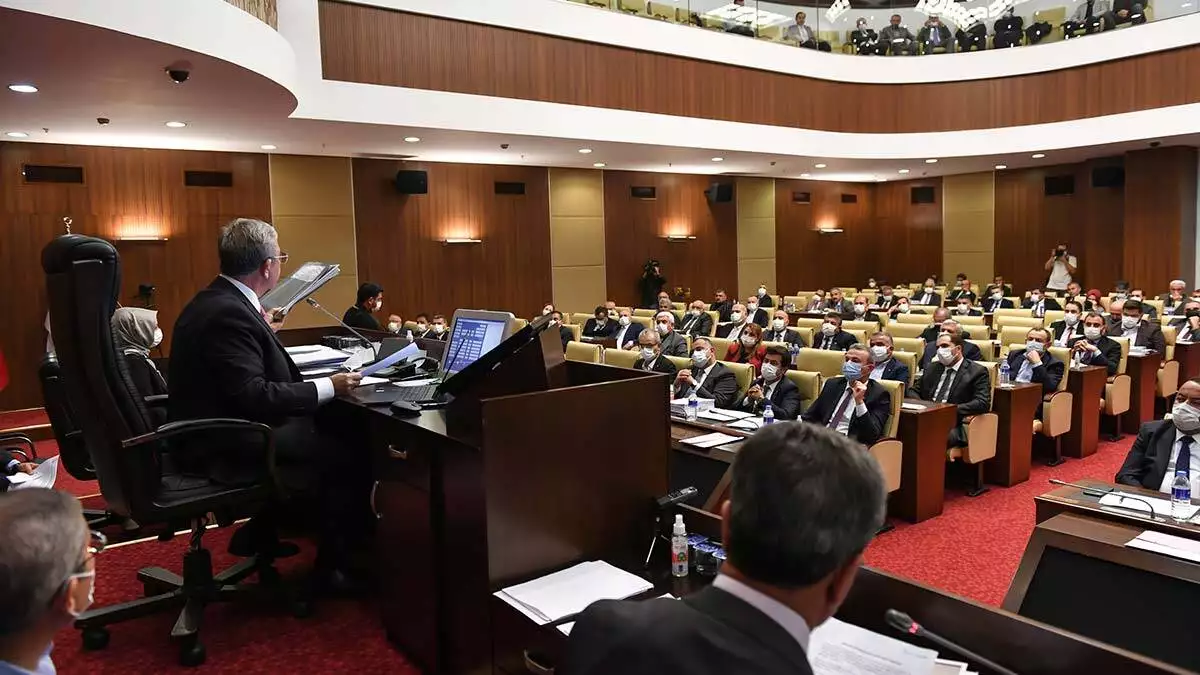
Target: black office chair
{"type": "Point", "coordinates": [132, 460]}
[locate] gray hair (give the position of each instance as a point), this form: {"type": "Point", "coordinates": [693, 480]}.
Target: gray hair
{"type": "Point", "coordinates": [669, 316]}
{"type": "Point", "coordinates": [805, 501]}
{"type": "Point", "coordinates": [244, 244]}
{"type": "Point", "coordinates": [650, 334]}
{"type": "Point", "coordinates": [44, 534]}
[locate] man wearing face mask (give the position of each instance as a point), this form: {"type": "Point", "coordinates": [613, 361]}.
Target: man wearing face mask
{"type": "Point", "coordinates": [886, 367]}
{"type": "Point", "coordinates": [996, 300]}
{"type": "Point", "coordinates": [902, 306]}
{"type": "Point", "coordinates": [816, 302]}
{"type": "Point", "coordinates": [697, 323]}
{"type": "Point", "coordinates": [49, 575]}
{"type": "Point", "coordinates": [707, 377]}
{"type": "Point", "coordinates": [650, 355]}
{"type": "Point", "coordinates": [665, 305]}
{"type": "Point", "coordinates": [886, 298]}
{"type": "Point", "coordinates": [927, 296]}
{"type": "Point", "coordinates": [1095, 348]}
{"type": "Point", "coordinates": [1166, 447]}
{"type": "Point", "coordinates": [778, 332]}
{"type": "Point", "coordinates": [832, 336]}
{"type": "Point", "coordinates": [764, 300]}
{"type": "Point", "coordinates": [737, 323]}
{"type": "Point", "coordinates": [1175, 296]}
{"type": "Point", "coordinates": [941, 321]}
{"type": "Point", "coordinates": [423, 329]}
{"type": "Point", "coordinates": [1130, 325]}
{"type": "Point", "coordinates": [556, 323]}
{"type": "Point", "coordinates": [963, 290]}
{"type": "Point", "coordinates": [721, 305]}
{"type": "Point", "coordinates": [963, 307]}
{"type": "Point", "coordinates": [672, 343]}
{"type": "Point", "coordinates": [627, 330]}
{"type": "Point", "coordinates": [1187, 322]}
{"type": "Point", "coordinates": [437, 328]}
{"type": "Point", "coordinates": [953, 379]}
{"type": "Point", "coordinates": [859, 310]}
{"type": "Point", "coordinates": [370, 300]}
{"type": "Point", "coordinates": [836, 302]}
{"type": "Point", "coordinates": [1038, 302]}
{"type": "Point", "coordinates": [756, 314]}
{"type": "Point", "coordinates": [772, 386]}
{"type": "Point", "coordinates": [1035, 364]}
{"type": "Point", "coordinates": [1139, 296]}
{"type": "Point", "coordinates": [1068, 329]}
{"type": "Point", "coordinates": [998, 285]}
{"type": "Point", "coordinates": [853, 405]}
{"type": "Point", "coordinates": [948, 327]}
{"type": "Point", "coordinates": [599, 327]}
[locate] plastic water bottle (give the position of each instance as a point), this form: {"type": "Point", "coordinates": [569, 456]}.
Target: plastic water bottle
{"type": "Point", "coordinates": [693, 407]}
{"type": "Point", "coordinates": [1004, 373]}
{"type": "Point", "coordinates": [1181, 496]}
{"type": "Point", "coordinates": [768, 414]}
{"type": "Point", "coordinates": [679, 548]}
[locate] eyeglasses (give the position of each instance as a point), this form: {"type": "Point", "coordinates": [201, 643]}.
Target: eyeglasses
{"type": "Point", "coordinates": [282, 258]}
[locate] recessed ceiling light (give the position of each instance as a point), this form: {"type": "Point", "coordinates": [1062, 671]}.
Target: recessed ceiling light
{"type": "Point", "coordinates": [599, 165]}
{"type": "Point", "coordinates": [880, 180]}
{"type": "Point", "coordinates": [177, 125]}
{"type": "Point", "coordinates": [585, 151]}
{"type": "Point", "coordinates": [718, 159]}
{"type": "Point", "coordinates": [1000, 167]}
{"type": "Point", "coordinates": [267, 147]}
{"type": "Point", "coordinates": [17, 134]}
{"type": "Point", "coordinates": [23, 88]}
{"type": "Point", "coordinates": [902, 171]}
{"type": "Point", "coordinates": [412, 139]}
{"type": "Point", "coordinates": [805, 175]}
{"type": "Point", "coordinates": [819, 166]}
{"type": "Point", "coordinates": [1039, 155]}
{"type": "Point", "coordinates": [931, 161]}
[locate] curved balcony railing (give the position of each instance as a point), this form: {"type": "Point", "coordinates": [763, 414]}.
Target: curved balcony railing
{"type": "Point", "coordinates": [900, 28]}
{"type": "Point", "coordinates": [263, 10]}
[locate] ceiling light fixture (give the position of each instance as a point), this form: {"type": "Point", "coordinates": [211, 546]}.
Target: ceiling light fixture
{"type": "Point", "coordinates": [1001, 167]}
{"type": "Point", "coordinates": [177, 125]}
{"type": "Point", "coordinates": [268, 147]}
{"type": "Point", "coordinates": [599, 165]}
{"type": "Point", "coordinates": [718, 159]}
{"type": "Point", "coordinates": [880, 180]}
{"type": "Point", "coordinates": [412, 139]}
{"type": "Point", "coordinates": [1038, 155]}
{"type": "Point", "coordinates": [805, 175]}
{"type": "Point", "coordinates": [17, 134]}
{"type": "Point", "coordinates": [931, 161]}
{"type": "Point", "coordinates": [585, 151]}
{"type": "Point", "coordinates": [902, 171]}
{"type": "Point", "coordinates": [23, 88]}
{"type": "Point", "coordinates": [819, 166]}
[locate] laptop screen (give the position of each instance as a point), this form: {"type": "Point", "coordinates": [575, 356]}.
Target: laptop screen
{"type": "Point", "coordinates": [470, 339]}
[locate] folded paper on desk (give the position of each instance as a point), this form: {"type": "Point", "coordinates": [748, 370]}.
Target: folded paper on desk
{"type": "Point", "coordinates": [721, 415]}
{"type": "Point", "coordinates": [42, 477]}
{"type": "Point", "coordinates": [840, 648]}
{"type": "Point", "coordinates": [1167, 544]}
{"type": "Point", "coordinates": [1135, 502]}
{"type": "Point", "coordinates": [710, 440]}
{"type": "Point", "coordinates": [912, 406]}
{"type": "Point", "coordinates": [569, 591]}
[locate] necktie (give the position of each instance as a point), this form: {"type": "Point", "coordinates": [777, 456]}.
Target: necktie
{"type": "Point", "coordinates": [1068, 332]}
{"type": "Point", "coordinates": [841, 409]}
{"type": "Point", "coordinates": [944, 392]}
{"type": "Point", "coordinates": [934, 36]}
{"type": "Point", "coordinates": [828, 343]}
{"type": "Point", "coordinates": [1090, 5]}
{"type": "Point", "coordinates": [1184, 461]}
{"type": "Point", "coordinates": [1025, 372]}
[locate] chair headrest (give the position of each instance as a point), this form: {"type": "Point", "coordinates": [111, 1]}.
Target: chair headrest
{"type": "Point", "coordinates": [64, 251]}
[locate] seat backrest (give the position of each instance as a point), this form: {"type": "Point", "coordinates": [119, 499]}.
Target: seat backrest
{"type": "Point", "coordinates": [827, 363]}
{"type": "Point", "coordinates": [518, 324]}
{"type": "Point", "coordinates": [808, 383]}
{"type": "Point", "coordinates": [620, 357]}
{"type": "Point", "coordinates": [71, 446]}
{"type": "Point", "coordinates": [909, 359]}
{"type": "Point", "coordinates": [1023, 322]}
{"type": "Point", "coordinates": [1013, 311]}
{"type": "Point", "coordinates": [583, 351]}
{"type": "Point", "coordinates": [83, 279]}
{"type": "Point", "coordinates": [799, 301]}
{"type": "Point", "coordinates": [896, 391]}
{"type": "Point", "coordinates": [1053, 315]}
{"type": "Point", "coordinates": [744, 374]}
{"type": "Point", "coordinates": [968, 320]}
{"type": "Point", "coordinates": [1062, 354]}
{"type": "Point", "coordinates": [646, 321]}
{"type": "Point", "coordinates": [1012, 335]}
{"type": "Point", "coordinates": [906, 330]}
{"type": "Point", "coordinates": [868, 326]}
{"type": "Point", "coordinates": [679, 307]}
{"type": "Point", "coordinates": [1155, 303]}
{"type": "Point", "coordinates": [1169, 334]}
{"type": "Point", "coordinates": [1124, 342]}
{"type": "Point", "coordinates": [681, 362]}
{"type": "Point", "coordinates": [806, 333]}
{"type": "Point", "coordinates": [412, 325]}
{"type": "Point", "coordinates": [645, 312]}
{"type": "Point", "coordinates": [922, 319]}
{"type": "Point", "coordinates": [992, 368]}
{"type": "Point", "coordinates": [860, 336]}
{"type": "Point", "coordinates": [716, 318]}
{"type": "Point", "coordinates": [580, 318]}
{"type": "Point", "coordinates": [987, 348]}
{"type": "Point", "coordinates": [720, 347]}
{"type": "Point", "coordinates": [915, 345]}
{"type": "Point", "coordinates": [576, 330]}
{"type": "Point", "coordinates": [809, 322]}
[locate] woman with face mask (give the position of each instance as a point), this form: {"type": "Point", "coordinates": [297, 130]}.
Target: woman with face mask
{"type": "Point", "coordinates": [749, 347]}
{"type": "Point", "coordinates": [136, 332]}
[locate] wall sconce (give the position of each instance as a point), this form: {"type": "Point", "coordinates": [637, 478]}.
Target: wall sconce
{"type": "Point", "coordinates": [680, 237]}
{"type": "Point", "coordinates": [830, 230]}
{"type": "Point", "coordinates": [139, 238]}
{"type": "Point", "coordinates": [461, 240]}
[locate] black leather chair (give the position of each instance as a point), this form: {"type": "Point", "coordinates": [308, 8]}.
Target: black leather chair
{"type": "Point", "coordinates": [132, 460]}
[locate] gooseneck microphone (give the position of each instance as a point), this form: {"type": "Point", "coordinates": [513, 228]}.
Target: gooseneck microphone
{"type": "Point", "coordinates": [1093, 491]}
{"type": "Point", "coordinates": [317, 306]}
{"type": "Point", "coordinates": [905, 624]}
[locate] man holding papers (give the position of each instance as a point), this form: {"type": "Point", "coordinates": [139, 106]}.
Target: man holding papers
{"type": "Point", "coordinates": [783, 577]}
{"type": "Point", "coordinates": [1165, 447]}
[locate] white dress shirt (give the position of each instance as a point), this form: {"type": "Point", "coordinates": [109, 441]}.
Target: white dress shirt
{"type": "Point", "coordinates": [950, 372]}
{"type": "Point", "coordinates": [1069, 333]}
{"type": "Point", "coordinates": [736, 332]}
{"type": "Point", "coordinates": [877, 371]}
{"type": "Point", "coordinates": [860, 409]}
{"type": "Point", "coordinates": [1193, 465]}
{"type": "Point", "coordinates": [1025, 372]}
{"type": "Point", "coordinates": [324, 385]}
{"type": "Point", "coordinates": [785, 616]}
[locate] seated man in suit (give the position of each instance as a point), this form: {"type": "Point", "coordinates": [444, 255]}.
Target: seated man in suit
{"type": "Point", "coordinates": [627, 330]}
{"type": "Point", "coordinates": [952, 378]}
{"type": "Point", "coordinates": [962, 290]}
{"type": "Point", "coordinates": [832, 336]}
{"type": "Point", "coordinates": [764, 300]}
{"type": "Point", "coordinates": [836, 302]}
{"type": "Point", "coordinates": [370, 300]}
{"type": "Point", "coordinates": [610, 307]}
{"type": "Point", "coordinates": [935, 35]}
{"type": "Point", "coordinates": [859, 311]}
{"type": "Point", "coordinates": [1139, 296]}
{"type": "Point", "coordinates": [1186, 322]}
{"type": "Point", "coordinates": [11, 466]}
{"type": "Point", "coordinates": [599, 327]}
{"type": "Point", "coordinates": [940, 315]}
{"type": "Point", "coordinates": [1088, 18]}
{"type": "Point", "coordinates": [886, 367]}
{"type": "Point", "coordinates": [772, 386]}
{"type": "Point", "coordinates": [803, 35]}
{"type": "Point", "coordinates": [1174, 297]}
{"type": "Point", "coordinates": [1066, 330]}
{"type": "Point", "coordinates": [897, 38]}
{"type": "Point", "coordinates": [854, 404]}
{"type": "Point", "coordinates": [737, 323]}
{"type": "Point", "coordinates": [227, 363]}
{"type": "Point", "coordinates": [697, 323]}
{"type": "Point", "coordinates": [783, 577]}
{"type": "Point", "coordinates": [886, 298]}
{"type": "Point", "coordinates": [707, 377]}
{"type": "Point", "coordinates": [817, 302]}
{"type": "Point", "coordinates": [721, 305]}
{"type": "Point", "coordinates": [1039, 302]}
{"type": "Point", "coordinates": [1008, 30]}
{"type": "Point", "coordinates": [1074, 291]}
{"type": "Point", "coordinates": [926, 295]}
{"type": "Point", "coordinates": [423, 329]}
{"type": "Point", "coordinates": [1130, 324]}
{"type": "Point", "coordinates": [1095, 348]}
{"type": "Point", "coordinates": [948, 327]}
{"type": "Point", "coordinates": [998, 284]}
{"type": "Point", "coordinates": [778, 332]}
{"type": "Point", "coordinates": [866, 41]}
{"type": "Point", "coordinates": [1124, 11]}
{"type": "Point", "coordinates": [665, 305]}
{"type": "Point", "coordinates": [556, 322]}
{"type": "Point", "coordinates": [1036, 364]}
{"type": "Point", "coordinates": [1166, 447]}
{"type": "Point", "coordinates": [673, 344]}
{"type": "Point", "coordinates": [651, 357]}
{"type": "Point", "coordinates": [437, 328]}
{"type": "Point", "coordinates": [996, 300]}
{"type": "Point", "coordinates": [964, 306]}
{"type": "Point", "coordinates": [755, 313]}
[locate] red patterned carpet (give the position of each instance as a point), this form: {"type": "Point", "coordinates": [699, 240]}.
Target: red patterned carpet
{"type": "Point", "coordinates": [973, 549]}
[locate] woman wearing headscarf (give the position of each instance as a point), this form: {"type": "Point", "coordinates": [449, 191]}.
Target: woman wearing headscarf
{"type": "Point", "coordinates": [136, 332]}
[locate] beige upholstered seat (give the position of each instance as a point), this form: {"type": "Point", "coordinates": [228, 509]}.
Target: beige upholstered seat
{"type": "Point", "coordinates": [982, 431]}
{"type": "Point", "coordinates": [720, 347]}
{"type": "Point", "coordinates": [744, 373]}
{"type": "Point", "coordinates": [1117, 390]}
{"type": "Point", "coordinates": [1053, 315]}
{"type": "Point", "coordinates": [922, 319]}
{"type": "Point", "coordinates": [810, 322]}
{"type": "Point", "coordinates": [1019, 324]}
{"type": "Point", "coordinates": [860, 336]}
{"type": "Point", "coordinates": [584, 351]}
{"type": "Point", "coordinates": [645, 312]}
{"type": "Point", "coordinates": [1014, 311]}
{"type": "Point", "coordinates": [827, 363]}
{"type": "Point", "coordinates": [581, 318]}
{"type": "Point", "coordinates": [1056, 407]}
{"type": "Point", "coordinates": [646, 321]}
{"type": "Point", "coordinates": [899, 329]}
{"type": "Point", "coordinates": [620, 357]}
{"type": "Point", "coordinates": [716, 318]}
{"type": "Point", "coordinates": [909, 359]}
{"type": "Point", "coordinates": [915, 345]}
{"type": "Point", "coordinates": [987, 348]}
{"type": "Point", "coordinates": [888, 450]}
{"type": "Point", "coordinates": [969, 321]}
{"type": "Point", "coordinates": [808, 383]}
{"type": "Point", "coordinates": [576, 330]}
{"type": "Point", "coordinates": [807, 334]}
{"type": "Point", "coordinates": [868, 326]}
{"type": "Point", "coordinates": [1168, 372]}
{"type": "Point", "coordinates": [681, 362]}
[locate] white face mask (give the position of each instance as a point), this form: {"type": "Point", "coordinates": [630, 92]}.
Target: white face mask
{"type": "Point", "coordinates": [1186, 417]}
{"type": "Point", "coordinates": [1135, 298]}
{"type": "Point", "coordinates": [546, 311]}
{"type": "Point", "coordinates": [662, 328]}
{"type": "Point", "coordinates": [422, 327]}
{"type": "Point", "coordinates": [647, 353]}
{"type": "Point", "coordinates": [601, 320]}
{"type": "Point", "coordinates": [1091, 332]}
{"type": "Point", "coordinates": [761, 291]}
{"type": "Point", "coordinates": [1128, 322]}
{"type": "Point", "coordinates": [1071, 318]}
{"type": "Point", "coordinates": [752, 307]}
{"type": "Point", "coordinates": [828, 329]}
{"type": "Point", "coordinates": [1034, 297]}
{"type": "Point", "coordinates": [903, 307]}
{"type": "Point", "coordinates": [91, 591]}
{"type": "Point", "coordinates": [964, 309]}
{"type": "Point", "coordinates": [697, 312]}
{"type": "Point", "coordinates": [749, 341]}
{"type": "Point", "coordinates": [393, 327]}
{"type": "Point", "coordinates": [887, 296]}
{"type": "Point", "coordinates": [158, 338]}
{"type": "Point", "coordinates": [998, 295]}
{"type": "Point", "coordinates": [770, 372]}
{"type": "Point", "coordinates": [860, 308]}
{"type": "Point", "coordinates": [699, 358]}
{"type": "Point", "coordinates": [879, 353]}
{"type": "Point", "coordinates": [553, 322]}
{"type": "Point", "coordinates": [1034, 346]}
{"type": "Point", "coordinates": [735, 317]}
{"type": "Point", "coordinates": [945, 355]}
{"type": "Point", "coordinates": [438, 328]}
{"type": "Point", "coordinates": [778, 324]}
{"type": "Point", "coordinates": [624, 321]}
{"type": "Point", "coordinates": [929, 289]}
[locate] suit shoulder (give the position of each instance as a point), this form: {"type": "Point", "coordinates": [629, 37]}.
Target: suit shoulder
{"type": "Point", "coordinates": [634, 628]}
{"type": "Point", "coordinates": [1153, 427]}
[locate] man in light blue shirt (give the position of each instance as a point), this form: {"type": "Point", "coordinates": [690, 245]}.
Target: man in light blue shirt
{"type": "Point", "coordinates": [47, 575]}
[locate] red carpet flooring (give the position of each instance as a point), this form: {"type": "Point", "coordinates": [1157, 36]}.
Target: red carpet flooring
{"type": "Point", "coordinates": [973, 550]}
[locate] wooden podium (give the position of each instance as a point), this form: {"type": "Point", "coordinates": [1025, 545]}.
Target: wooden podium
{"type": "Point", "coordinates": [537, 465]}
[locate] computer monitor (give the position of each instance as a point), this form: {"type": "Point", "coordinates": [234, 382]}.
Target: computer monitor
{"type": "Point", "coordinates": [473, 333]}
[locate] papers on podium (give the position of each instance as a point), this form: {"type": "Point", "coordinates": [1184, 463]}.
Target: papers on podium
{"type": "Point", "coordinates": [308, 357]}
{"type": "Point", "coordinates": [710, 440]}
{"type": "Point", "coordinates": [570, 591]}
{"type": "Point", "coordinates": [303, 283]}
{"type": "Point", "coordinates": [1167, 544]}
{"type": "Point", "coordinates": [840, 648]}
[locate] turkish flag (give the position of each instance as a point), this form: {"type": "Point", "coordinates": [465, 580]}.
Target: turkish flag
{"type": "Point", "coordinates": [3, 372]}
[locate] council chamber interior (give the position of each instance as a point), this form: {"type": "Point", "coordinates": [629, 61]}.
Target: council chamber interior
{"type": "Point", "coordinates": [600, 247]}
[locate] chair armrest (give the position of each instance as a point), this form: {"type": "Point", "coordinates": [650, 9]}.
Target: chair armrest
{"type": "Point", "coordinates": [157, 400]}
{"type": "Point", "coordinates": [22, 440]}
{"type": "Point", "coordinates": [213, 424]}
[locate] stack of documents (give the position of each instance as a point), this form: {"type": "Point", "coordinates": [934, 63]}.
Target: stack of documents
{"type": "Point", "coordinates": [710, 440]}
{"type": "Point", "coordinates": [309, 357]}
{"type": "Point", "coordinates": [837, 647]}
{"type": "Point", "coordinates": [565, 628]}
{"type": "Point", "coordinates": [563, 594]}
{"type": "Point", "coordinates": [303, 283]}
{"type": "Point", "coordinates": [679, 405]}
{"type": "Point", "coordinates": [42, 477]}
{"type": "Point", "coordinates": [722, 416]}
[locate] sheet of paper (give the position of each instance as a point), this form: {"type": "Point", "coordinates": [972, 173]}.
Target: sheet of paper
{"type": "Point", "coordinates": [748, 424]}
{"type": "Point", "coordinates": [323, 356]}
{"type": "Point", "coordinates": [569, 591]}
{"type": "Point", "coordinates": [1167, 544]}
{"type": "Point", "coordinates": [309, 272]}
{"type": "Point", "coordinates": [1132, 502]}
{"type": "Point", "coordinates": [302, 349]}
{"type": "Point", "coordinates": [373, 380]}
{"type": "Point", "coordinates": [715, 415]}
{"type": "Point", "coordinates": [948, 667]}
{"type": "Point", "coordinates": [913, 406]}
{"type": "Point", "coordinates": [416, 383]}
{"type": "Point", "coordinates": [409, 350]}
{"type": "Point", "coordinates": [738, 414]}
{"type": "Point", "coordinates": [710, 440]}
{"type": "Point", "coordinates": [839, 648]}
{"type": "Point", "coordinates": [42, 477]}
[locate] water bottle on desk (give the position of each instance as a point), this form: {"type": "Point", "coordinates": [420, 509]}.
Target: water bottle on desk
{"type": "Point", "coordinates": [768, 414]}
{"type": "Point", "coordinates": [1181, 496]}
{"type": "Point", "coordinates": [1005, 373]}
{"type": "Point", "coordinates": [693, 407]}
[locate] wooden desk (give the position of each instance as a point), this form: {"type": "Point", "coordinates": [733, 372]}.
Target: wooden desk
{"type": "Point", "coordinates": [1066, 499]}
{"type": "Point", "coordinates": [1188, 356]}
{"type": "Point", "coordinates": [923, 433]}
{"type": "Point", "coordinates": [1086, 385]}
{"type": "Point", "coordinates": [1143, 371]}
{"type": "Point", "coordinates": [711, 479]}
{"type": "Point", "coordinates": [1016, 407]}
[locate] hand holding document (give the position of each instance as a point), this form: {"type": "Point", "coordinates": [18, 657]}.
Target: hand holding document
{"type": "Point", "coordinates": [42, 477]}
{"type": "Point", "coordinates": [303, 283]}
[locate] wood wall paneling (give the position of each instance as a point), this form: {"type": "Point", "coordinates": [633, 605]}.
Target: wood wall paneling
{"type": "Point", "coordinates": [577, 239]}
{"type": "Point", "coordinates": [126, 192]}
{"type": "Point", "coordinates": [968, 226]}
{"type": "Point", "coordinates": [636, 230]}
{"type": "Point", "coordinates": [756, 235]}
{"type": "Point", "coordinates": [1160, 220]}
{"type": "Point", "coordinates": [380, 46]}
{"type": "Point", "coordinates": [399, 248]}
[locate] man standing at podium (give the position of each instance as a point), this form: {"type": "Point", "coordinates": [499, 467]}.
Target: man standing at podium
{"type": "Point", "coordinates": [784, 576]}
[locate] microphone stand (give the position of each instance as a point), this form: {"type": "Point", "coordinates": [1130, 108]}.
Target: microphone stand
{"type": "Point", "coordinates": [905, 624]}
{"type": "Point", "coordinates": [1096, 492]}
{"type": "Point", "coordinates": [317, 306]}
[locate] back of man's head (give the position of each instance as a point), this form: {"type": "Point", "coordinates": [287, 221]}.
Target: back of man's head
{"type": "Point", "coordinates": [42, 535]}
{"type": "Point", "coordinates": [805, 501]}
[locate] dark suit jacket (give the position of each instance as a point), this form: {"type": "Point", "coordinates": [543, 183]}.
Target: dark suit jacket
{"type": "Point", "coordinates": [958, 293]}
{"type": "Point", "coordinates": [661, 365]}
{"type": "Point", "coordinates": [696, 326]}
{"type": "Point", "coordinates": [930, 334]}
{"type": "Point", "coordinates": [943, 33]}
{"type": "Point", "coordinates": [785, 400]}
{"type": "Point", "coordinates": [1146, 464]}
{"type": "Point", "coordinates": [865, 429]}
{"type": "Point", "coordinates": [427, 334]}
{"type": "Point", "coordinates": [1149, 335]}
{"type": "Point", "coordinates": [1059, 327]}
{"type": "Point", "coordinates": [991, 305]}
{"type": "Point", "coordinates": [1169, 302]}
{"type": "Point", "coordinates": [1109, 356]}
{"type": "Point", "coordinates": [841, 306]}
{"type": "Point", "coordinates": [564, 334]}
{"type": "Point", "coordinates": [594, 331]}
{"type": "Point", "coordinates": [674, 344]}
{"type": "Point", "coordinates": [720, 385]}
{"type": "Point", "coordinates": [630, 334]}
{"type": "Point", "coordinates": [1180, 324]}
{"type": "Point", "coordinates": [788, 336]}
{"type": "Point", "coordinates": [864, 37]}
{"type": "Point", "coordinates": [867, 316]}
{"type": "Point", "coordinates": [971, 391]}
{"type": "Point", "coordinates": [761, 317]}
{"type": "Point", "coordinates": [973, 312]}
{"type": "Point", "coordinates": [357, 317]}
{"type": "Point", "coordinates": [1006, 289]}
{"type": "Point", "coordinates": [766, 301]}
{"type": "Point", "coordinates": [895, 371]}
{"type": "Point", "coordinates": [1048, 374]}
{"type": "Point", "coordinates": [917, 296]}
{"type": "Point", "coordinates": [148, 382]}
{"type": "Point", "coordinates": [708, 632]}
{"type": "Point", "coordinates": [841, 341]}
{"type": "Point", "coordinates": [885, 304]}
{"type": "Point", "coordinates": [1047, 304]}
{"type": "Point", "coordinates": [725, 329]}
{"type": "Point", "coordinates": [970, 353]}
{"type": "Point", "coordinates": [5, 471]}
{"type": "Point", "coordinates": [722, 309]}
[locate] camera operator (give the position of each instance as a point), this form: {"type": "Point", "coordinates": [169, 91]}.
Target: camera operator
{"type": "Point", "coordinates": [1062, 267]}
{"type": "Point", "coordinates": [651, 284]}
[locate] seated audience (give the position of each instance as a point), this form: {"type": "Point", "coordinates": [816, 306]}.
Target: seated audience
{"type": "Point", "coordinates": [610, 307]}
{"type": "Point", "coordinates": [1035, 364]}
{"type": "Point", "coordinates": [423, 329]}
{"type": "Point", "coordinates": [1174, 297]}
{"type": "Point", "coordinates": [737, 323]}
{"type": "Point", "coordinates": [1074, 291]}
{"type": "Point", "coordinates": [1127, 322]}
{"type": "Point", "coordinates": [1007, 29]}
{"type": "Point", "coordinates": [998, 284]}
{"type": "Point", "coordinates": [836, 302]}
{"type": "Point", "coordinates": [135, 333]}
{"type": "Point", "coordinates": [721, 305]}
{"type": "Point", "coordinates": [627, 330]}
{"type": "Point", "coordinates": [886, 367]}
{"type": "Point", "coordinates": [778, 332]}
{"type": "Point", "coordinates": [556, 322]}
{"type": "Point", "coordinates": [783, 577]}
{"type": "Point", "coordinates": [370, 300]}
{"type": "Point", "coordinates": [935, 35]}
{"type": "Point", "coordinates": [650, 357]}
{"type": "Point", "coordinates": [832, 336]}
{"type": "Point", "coordinates": [1139, 296]}
{"type": "Point", "coordinates": [995, 301]}
{"type": "Point", "coordinates": [962, 290]}
{"type": "Point", "coordinates": [665, 305]}
{"type": "Point", "coordinates": [800, 34]}
{"type": "Point", "coordinates": [886, 298]}
{"type": "Point", "coordinates": [48, 576]}
{"type": "Point", "coordinates": [1068, 329]}
{"type": "Point", "coordinates": [940, 316]}
{"type": "Point", "coordinates": [1124, 11]}
{"type": "Point", "coordinates": [853, 405]}
{"type": "Point", "coordinates": [748, 348]}
{"type": "Point", "coordinates": [673, 344]}
{"type": "Point", "coordinates": [698, 322]}
{"type": "Point", "coordinates": [948, 327]}
{"type": "Point", "coordinates": [437, 328]}
{"type": "Point", "coordinates": [816, 302]}
{"type": "Point", "coordinates": [1121, 288]}
{"type": "Point", "coordinates": [1087, 18]}
{"type": "Point", "coordinates": [901, 306]}
{"type": "Point", "coordinates": [1039, 302]}
{"type": "Point", "coordinates": [1166, 447]}
{"type": "Point", "coordinates": [927, 296]}
{"type": "Point", "coordinates": [772, 386]}
{"type": "Point", "coordinates": [964, 306]}
{"type": "Point", "coordinates": [755, 313]}
{"type": "Point", "coordinates": [764, 299]}
{"type": "Point", "coordinates": [952, 378]}
{"type": "Point", "coordinates": [898, 39]}
{"type": "Point", "coordinates": [707, 378]}
{"type": "Point", "coordinates": [859, 311]}
{"type": "Point", "coordinates": [1186, 322]}
{"type": "Point", "coordinates": [974, 38]}
{"type": "Point", "coordinates": [866, 42]}
{"type": "Point", "coordinates": [599, 327]}
{"type": "Point", "coordinates": [871, 282]}
{"type": "Point", "coordinates": [1095, 348]}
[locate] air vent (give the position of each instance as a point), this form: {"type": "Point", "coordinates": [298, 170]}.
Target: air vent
{"type": "Point", "coordinates": [642, 192]}
{"type": "Point", "coordinates": [41, 173]}
{"type": "Point", "coordinates": [217, 179]}
{"type": "Point", "coordinates": [848, 198]}
{"type": "Point", "coordinates": [1060, 185]}
{"type": "Point", "coordinates": [922, 194]}
{"type": "Point", "coordinates": [1108, 176]}
{"type": "Point", "coordinates": [802, 197]}
{"type": "Point", "coordinates": [503, 188]}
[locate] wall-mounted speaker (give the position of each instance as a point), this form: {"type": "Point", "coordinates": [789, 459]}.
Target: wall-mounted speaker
{"type": "Point", "coordinates": [507, 188]}
{"type": "Point", "coordinates": [849, 198]}
{"type": "Point", "coordinates": [1060, 185]}
{"type": "Point", "coordinates": [1108, 176]}
{"type": "Point", "coordinates": [219, 179]}
{"type": "Point", "coordinates": [719, 193]}
{"type": "Point", "coordinates": [802, 197]}
{"type": "Point", "coordinates": [41, 173]}
{"type": "Point", "coordinates": [412, 182]}
{"type": "Point", "coordinates": [922, 194]}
